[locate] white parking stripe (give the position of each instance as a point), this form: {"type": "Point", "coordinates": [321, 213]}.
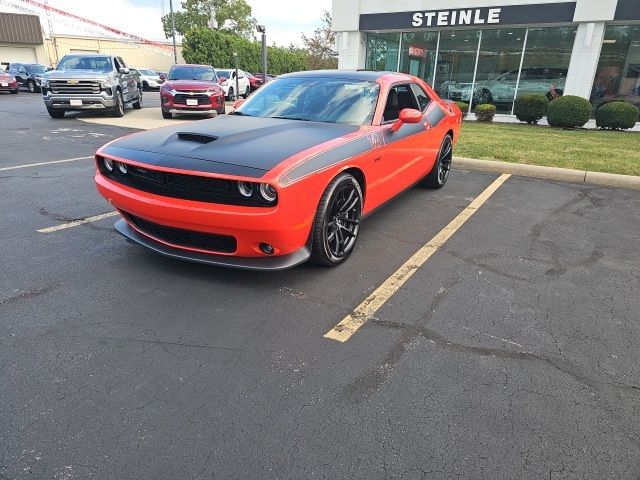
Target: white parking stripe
{"type": "Point", "coordinates": [76, 223]}
{"type": "Point", "coordinates": [16, 167]}
{"type": "Point", "coordinates": [365, 311]}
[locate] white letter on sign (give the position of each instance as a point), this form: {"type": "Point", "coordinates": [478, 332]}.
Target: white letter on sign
{"type": "Point", "coordinates": [494, 15]}
{"type": "Point", "coordinates": [442, 19]}
{"type": "Point", "coordinates": [464, 17]}
{"type": "Point", "coordinates": [429, 16]}
{"type": "Point", "coordinates": [478, 18]}
{"type": "Point", "coordinates": [417, 19]}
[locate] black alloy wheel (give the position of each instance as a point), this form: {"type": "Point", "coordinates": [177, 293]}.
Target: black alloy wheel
{"type": "Point", "coordinates": [439, 174]}
{"type": "Point", "coordinates": [31, 85]}
{"type": "Point", "coordinates": [337, 222]}
{"type": "Point", "coordinates": [118, 110]}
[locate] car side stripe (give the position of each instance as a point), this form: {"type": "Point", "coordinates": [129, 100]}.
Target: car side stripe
{"type": "Point", "coordinates": [435, 115]}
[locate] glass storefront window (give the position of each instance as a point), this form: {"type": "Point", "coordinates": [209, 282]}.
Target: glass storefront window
{"type": "Point", "coordinates": [382, 51]}
{"type": "Point", "coordinates": [546, 61]}
{"type": "Point", "coordinates": [418, 54]}
{"type": "Point", "coordinates": [456, 64]}
{"type": "Point", "coordinates": [618, 72]}
{"type": "Point", "coordinates": [498, 67]}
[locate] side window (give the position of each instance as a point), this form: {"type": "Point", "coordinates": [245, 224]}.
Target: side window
{"type": "Point", "coordinates": [421, 96]}
{"type": "Point", "coordinates": [116, 64]}
{"type": "Point", "coordinates": [122, 64]}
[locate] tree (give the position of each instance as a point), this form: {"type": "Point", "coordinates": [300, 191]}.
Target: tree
{"type": "Point", "coordinates": [321, 46]}
{"type": "Point", "coordinates": [229, 15]}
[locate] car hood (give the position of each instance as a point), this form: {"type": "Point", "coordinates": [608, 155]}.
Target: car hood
{"type": "Point", "coordinates": [230, 145]}
{"type": "Point", "coordinates": [76, 74]}
{"type": "Point", "coordinates": [190, 84]}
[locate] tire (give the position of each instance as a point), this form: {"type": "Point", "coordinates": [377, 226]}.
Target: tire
{"type": "Point", "coordinates": [15, 91]}
{"type": "Point", "coordinates": [145, 85]}
{"type": "Point", "coordinates": [231, 95]}
{"type": "Point", "coordinates": [118, 110]}
{"type": "Point", "coordinates": [31, 85]}
{"type": "Point", "coordinates": [167, 115]}
{"type": "Point", "coordinates": [337, 221]}
{"type": "Point", "coordinates": [247, 92]}
{"type": "Point", "coordinates": [55, 113]}
{"type": "Point", "coordinates": [439, 173]}
{"type": "Point", "coordinates": [484, 96]}
{"type": "Point", "coordinates": [138, 105]}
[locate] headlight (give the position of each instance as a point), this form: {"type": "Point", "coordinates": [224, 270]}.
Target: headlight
{"type": "Point", "coordinates": [122, 167]}
{"type": "Point", "coordinates": [245, 189]}
{"type": "Point", "coordinates": [108, 164]}
{"type": "Point", "coordinates": [268, 192]}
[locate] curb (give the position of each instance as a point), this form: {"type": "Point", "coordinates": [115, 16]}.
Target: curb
{"type": "Point", "coordinates": [549, 173]}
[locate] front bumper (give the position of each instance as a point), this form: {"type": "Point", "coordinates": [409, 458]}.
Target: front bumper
{"type": "Point", "coordinates": [282, 262]}
{"type": "Point", "coordinates": [89, 102]}
{"type": "Point", "coordinates": [193, 111]}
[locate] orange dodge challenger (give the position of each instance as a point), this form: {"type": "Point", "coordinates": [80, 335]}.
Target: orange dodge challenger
{"type": "Point", "coordinates": [288, 176]}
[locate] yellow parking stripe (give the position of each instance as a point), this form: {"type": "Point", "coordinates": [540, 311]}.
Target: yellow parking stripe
{"type": "Point", "coordinates": [76, 223]}
{"type": "Point", "coordinates": [367, 309]}
{"type": "Point", "coordinates": [16, 167]}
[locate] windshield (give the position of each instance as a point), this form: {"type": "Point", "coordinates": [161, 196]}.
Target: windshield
{"type": "Point", "coordinates": [35, 69]}
{"type": "Point", "coordinates": [316, 99]}
{"type": "Point", "coordinates": [149, 73]}
{"type": "Point", "coordinates": [204, 74]}
{"type": "Point", "coordinates": [224, 73]}
{"type": "Point", "coordinates": [98, 64]}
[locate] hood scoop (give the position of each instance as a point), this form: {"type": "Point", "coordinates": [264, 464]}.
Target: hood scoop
{"type": "Point", "coordinates": [196, 137]}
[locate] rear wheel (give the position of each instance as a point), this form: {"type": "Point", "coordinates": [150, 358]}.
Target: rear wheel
{"type": "Point", "coordinates": [138, 104]}
{"type": "Point", "coordinates": [31, 85]}
{"type": "Point", "coordinates": [55, 113]}
{"type": "Point", "coordinates": [439, 174]}
{"type": "Point", "coordinates": [232, 95]}
{"type": "Point", "coordinates": [337, 221]}
{"type": "Point", "coordinates": [247, 92]}
{"type": "Point", "coordinates": [145, 85]}
{"type": "Point", "coordinates": [166, 114]}
{"type": "Point", "coordinates": [118, 110]}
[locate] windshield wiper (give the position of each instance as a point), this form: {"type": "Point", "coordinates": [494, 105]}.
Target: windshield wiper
{"type": "Point", "coordinates": [294, 118]}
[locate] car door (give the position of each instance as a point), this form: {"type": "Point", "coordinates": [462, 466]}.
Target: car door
{"type": "Point", "coordinates": [408, 153]}
{"type": "Point", "coordinates": [126, 80]}
{"type": "Point", "coordinates": [243, 82]}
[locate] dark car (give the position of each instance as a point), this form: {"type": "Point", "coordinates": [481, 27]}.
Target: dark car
{"type": "Point", "coordinates": [191, 89]}
{"type": "Point", "coordinates": [28, 75]}
{"type": "Point", "coordinates": [286, 177]}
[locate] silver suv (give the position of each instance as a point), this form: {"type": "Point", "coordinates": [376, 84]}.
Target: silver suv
{"type": "Point", "coordinates": [90, 82]}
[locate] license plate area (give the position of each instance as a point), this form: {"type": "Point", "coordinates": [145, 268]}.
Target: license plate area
{"type": "Point", "coordinates": [192, 102]}
{"type": "Point", "coordinates": [75, 102]}
{"type": "Point", "coordinates": [5, 84]}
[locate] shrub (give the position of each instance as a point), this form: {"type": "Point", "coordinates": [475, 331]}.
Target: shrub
{"type": "Point", "coordinates": [531, 107]}
{"type": "Point", "coordinates": [485, 112]}
{"type": "Point", "coordinates": [617, 115]}
{"type": "Point", "coordinates": [464, 107]}
{"type": "Point", "coordinates": [568, 112]}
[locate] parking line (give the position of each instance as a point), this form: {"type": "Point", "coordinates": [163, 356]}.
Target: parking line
{"type": "Point", "coordinates": [76, 223]}
{"type": "Point", "coordinates": [15, 167]}
{"type": "Point", "coordinates": [367, 309]}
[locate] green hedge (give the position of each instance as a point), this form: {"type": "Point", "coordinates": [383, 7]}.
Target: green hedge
{"type": "Point", "coordinates": [485, 112]}
{"type": "Point", "coordinates": [530, 107]}
{"type": "Point", "coordinates": [464, 107]}
{"type": "Point", "coordinates": [617, 115]}
{"type": "Point", "coordinates": [568, 112]}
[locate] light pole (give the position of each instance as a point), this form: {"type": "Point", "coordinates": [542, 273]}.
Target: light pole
{"type": "Point", "coordinates": [263, 30]}
{"type": "Point", "coordinates": [173, 33]}
{"type": "Point", "coordinates": [235, 59]}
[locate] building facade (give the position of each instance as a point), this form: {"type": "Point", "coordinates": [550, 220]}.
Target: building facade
{"type": "Point", "coordinates": [480, 51]}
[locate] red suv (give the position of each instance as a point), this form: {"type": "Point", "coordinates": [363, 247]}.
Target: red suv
{"type": "Point", "coordinates": [8, 83]}
{"type": "Point", "coordinates": [192, 89]}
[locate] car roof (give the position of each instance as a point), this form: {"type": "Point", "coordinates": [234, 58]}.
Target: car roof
{"type": "Point", "coordinates": [364, 75]}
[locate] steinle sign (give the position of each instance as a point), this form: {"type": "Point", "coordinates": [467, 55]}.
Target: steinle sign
{"type": "Point", "coordinates": [451, 18]}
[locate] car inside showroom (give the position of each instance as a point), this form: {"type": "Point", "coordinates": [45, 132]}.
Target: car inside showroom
{"type": "Point", "coordinates": [477, 52]}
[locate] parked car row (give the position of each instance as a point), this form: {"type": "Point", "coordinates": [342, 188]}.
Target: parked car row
{"type": "Point", "coordinates": [105, 82]}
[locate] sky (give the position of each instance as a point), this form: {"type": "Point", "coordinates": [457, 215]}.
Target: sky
{"type": "Point", "coordinates": [284, 19]}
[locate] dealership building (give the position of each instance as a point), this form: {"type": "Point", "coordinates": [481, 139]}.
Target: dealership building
{"type": "Point", "coordinates": [484, 51]}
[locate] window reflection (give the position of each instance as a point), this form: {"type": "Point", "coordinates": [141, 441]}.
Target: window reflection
{"type": "Point", "coordinates": [456, 63]}
{"type": "Point", "coordinates": [382, 51]}
{"type": "Point", "coordinates": [418, 54]}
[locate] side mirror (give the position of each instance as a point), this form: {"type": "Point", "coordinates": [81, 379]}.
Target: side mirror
{"type": "Point", "coordinates": [124, 71]}
{"type": "Point", "coordinates": [407, 115]}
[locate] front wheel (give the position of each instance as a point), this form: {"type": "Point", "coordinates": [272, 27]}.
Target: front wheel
{"type": "Point", "coordinates": [55, 113]}
{"type": "Point", "coordinates": [337, 221]}
{"type": "Point", "coordinates": [31, 85]}
{"type": "Point", "coordinates": [166, 115]}
{"type": "Point", "coordinates": [439, 174]}
{"type": "Point", "coordinates": [118, 110]}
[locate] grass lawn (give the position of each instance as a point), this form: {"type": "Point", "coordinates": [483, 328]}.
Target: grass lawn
{"type": "Point", "coordinates": [594, 150]}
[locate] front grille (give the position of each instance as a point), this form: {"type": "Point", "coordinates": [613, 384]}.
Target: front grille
{"type": "Point", "coordinates": [181, 99]}
{"type": "Point", "coordinates": [179, 185]}
{"type": "Point", "coordinates": [74, 87]}
{"type": "Point", "coordinates": [185, 238]}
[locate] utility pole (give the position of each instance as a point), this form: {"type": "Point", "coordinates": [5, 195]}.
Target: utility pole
{"type": "Point", "coordinates": [235, 58]}
{"type": "Point", "coordinates": [173, 33]}
{"type": "Point", "coordinates": [263, 30]}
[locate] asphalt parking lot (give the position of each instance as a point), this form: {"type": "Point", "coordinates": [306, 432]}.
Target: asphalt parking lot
{"type": "Point", "coordinates": [512, 353]}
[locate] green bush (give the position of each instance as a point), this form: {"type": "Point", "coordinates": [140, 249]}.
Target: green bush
{"type": "Point", "coordinates": [485, 112]}
{"type": "Point", "coordinates": [568, 112]}
{"type": "Point", "coordinates": [617, 115]}
{"type": "Point", "coordinates": [531, 107]}
{"type": "Point", "coordinates": [464, 107]}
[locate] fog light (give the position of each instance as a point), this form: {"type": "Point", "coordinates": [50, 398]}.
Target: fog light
{"type": "Point", "coordinates": [122, 167]}
{"type": "Point", "coordinates": [266, 248]}
{"type": "Point", "coordinates": [108, 164]}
